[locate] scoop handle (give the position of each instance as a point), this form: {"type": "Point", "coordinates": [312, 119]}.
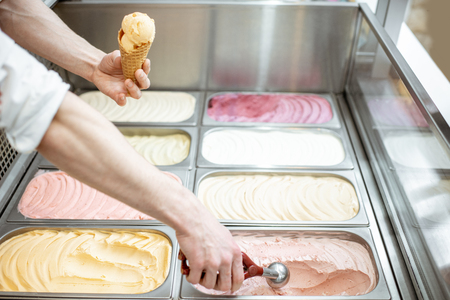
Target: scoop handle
{"type": "Point", "coordinates": [250, 268]}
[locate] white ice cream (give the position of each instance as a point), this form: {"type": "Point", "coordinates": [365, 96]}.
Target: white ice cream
{"type": "Point", "coordinates": [279, 197]}
{"type": "Point", "coordinates": [276, 147]}
{"type": "Point", "coordinates": [151, 107]}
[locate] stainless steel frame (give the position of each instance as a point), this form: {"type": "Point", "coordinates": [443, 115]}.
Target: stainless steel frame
{"type": "Point", "coordinates": [162, 292]}
{"type": "Point", "coordinates": [360, 219]}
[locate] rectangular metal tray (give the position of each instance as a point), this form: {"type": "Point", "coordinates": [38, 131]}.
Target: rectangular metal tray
{"type": "Point", "coordinates": [359, 220]}
{"type": "Point", "coordinates": [335, 122]}
{"type": "Point", "coordinates": [191, 131]}
{"type": "Point", "coordinates": [362, 236]}
{"type": "Point", "coordinates": [347, 163]}
{"type": "Point", "coordinates": [13, 214]}
{"type": "Point", "coordinates": [192, 121]}
{"type": "Point", "coordinates": [165, 291]}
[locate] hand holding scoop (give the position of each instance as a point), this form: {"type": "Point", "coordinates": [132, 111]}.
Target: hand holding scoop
{"type": "Point", "coordinates": [277, 274]}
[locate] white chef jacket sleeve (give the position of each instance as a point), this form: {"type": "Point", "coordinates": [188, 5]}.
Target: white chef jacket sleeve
{"type": "Point", "coordinates": [30, 96]}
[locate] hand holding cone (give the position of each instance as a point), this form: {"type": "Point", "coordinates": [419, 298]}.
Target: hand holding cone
{"type": "Point", "coordinates": [135, 39]}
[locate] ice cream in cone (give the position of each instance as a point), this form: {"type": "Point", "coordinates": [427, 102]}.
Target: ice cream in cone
{"type": "Point", "coordinates": [135, 39]}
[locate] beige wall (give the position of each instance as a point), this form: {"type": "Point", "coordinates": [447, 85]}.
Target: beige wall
{"type": "Point", "coordinates": [430, 21]}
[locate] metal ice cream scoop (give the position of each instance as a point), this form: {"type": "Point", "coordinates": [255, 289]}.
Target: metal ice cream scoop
{"type": "Point", "coordinates": [277, 274]}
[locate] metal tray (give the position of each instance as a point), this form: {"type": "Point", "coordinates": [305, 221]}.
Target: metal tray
{"type": "Point", "coordinates": [13, 214]}
{"type": "Point", "coordinates": [360, 219]}
{"type": "Point", "coordinates": [165, 291]}
{"type": "Point", "coordinates": [335, 121]}
{"type": "Point", "coordinates": [192, 121]}
{"type": "Point", "coordinates": [347, 163]}
{"type": "Point", "coordinates": [191, 131]}
{"type": "Point", "coordinates": [362, 236]}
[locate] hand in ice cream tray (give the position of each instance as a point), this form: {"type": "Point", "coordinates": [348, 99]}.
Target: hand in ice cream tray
{"type": "Point", "coordinates": [277, 274]}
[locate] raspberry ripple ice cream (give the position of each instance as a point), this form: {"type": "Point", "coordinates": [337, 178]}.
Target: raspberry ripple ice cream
{"type": "Point", "coordinates": [275, 147]}
{"type": "Point", "coordinates": [318, 266]}
{"type": "Point", "coordinates": [279, 197]}
{"type": "Point", "coordinates": [56, 195]}
{"type": "Point", "coordinates": [151, 107]}
{"type": "Point", "coordinates": [84, 261]}
{"type": "Point", "coordinates": [270, 108]}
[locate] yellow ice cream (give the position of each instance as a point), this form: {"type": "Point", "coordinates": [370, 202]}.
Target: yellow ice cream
{"type": "Point", "coordinates": [138, 30]}
{"type": "Point", "coordinates": [84, 261]}
{"type": "Point", "coordinates": [162, 150]}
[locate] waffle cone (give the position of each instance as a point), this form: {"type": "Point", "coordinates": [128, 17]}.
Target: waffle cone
{"type": "Point", "coordinates": [133, 60]}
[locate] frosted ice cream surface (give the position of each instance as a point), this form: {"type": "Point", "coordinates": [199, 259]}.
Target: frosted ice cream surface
{"type": "Point", "coordinates": [279, 197]}
{"type": "Point", "coordinates": [318, 266]}
{"type": "Point", "coordinates": [151, 107]}
{"type": "Point", "coordinates": [84, 261]}
{"type": "Point", "coordinates": [270, 108]}
{"type": "Point", "coordinates": [56, 195]}
{"type": "Point", "coordinates": [139, 29]}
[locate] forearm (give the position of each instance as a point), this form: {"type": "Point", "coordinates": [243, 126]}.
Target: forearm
{"type": "Point", "coordinates": [35, 27]}
{"type": "Point", "coordinates": [83, 143]}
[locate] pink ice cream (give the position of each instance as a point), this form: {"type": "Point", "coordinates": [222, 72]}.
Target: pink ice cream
{"type": "Point", "coordinates": [270, 108]}
{"type": "Point", "coordinates": [56, 195]}
{"type": "Point", "coordinates": [396, 112]}
{"type": "Point", "coordinates": [318, 266]}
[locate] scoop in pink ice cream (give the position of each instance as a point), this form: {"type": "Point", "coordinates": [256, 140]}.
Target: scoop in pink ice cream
{"type": "Point", "coordinates": [270, 108]}
{"type": "Point", "coordinates": [56, 195]}
{"type": "Point", "coordinates": [318, 266]}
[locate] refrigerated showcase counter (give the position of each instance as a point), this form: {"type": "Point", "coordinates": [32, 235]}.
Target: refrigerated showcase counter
{"type": "Point", "coordinates": [395, 141]}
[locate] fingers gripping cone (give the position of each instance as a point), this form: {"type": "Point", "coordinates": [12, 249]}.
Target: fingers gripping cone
{"type": "Point", "coordinates": [134, 59]}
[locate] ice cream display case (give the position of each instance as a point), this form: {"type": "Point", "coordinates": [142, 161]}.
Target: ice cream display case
{"type": "Point", "coordinates": [298, 124]}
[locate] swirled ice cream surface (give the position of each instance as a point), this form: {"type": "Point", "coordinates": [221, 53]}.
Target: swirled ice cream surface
{"type": "Point", "coordinates": [276, 147]}
{"type": "Point", "coordinates": [416, 150]}
{"type": "Point", "coordinates": [56, 195]}
{"type": "Point", "coordinates": [84, 261]}
{"type": "Point", "coordinates": [279, 197]}
{"type": "Point", "coordinates": [270, 108]}
{"type": "Point", "coordinates": [318, 266]}
{"type": "Point", "coordinates": [162, 150]}
{"type": "Point", "coordinates": [151, 107]}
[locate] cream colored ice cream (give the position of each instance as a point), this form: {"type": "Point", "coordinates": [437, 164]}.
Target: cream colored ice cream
{"type": "Point", "coordinates": [151, 107]}
{"type": "Point", "coordinates": [138, 30]}
{"type": "Point", "coordinates": [275, 147]}
{"type": "Point", "coordinates": [84, 261]}
{"type": "Point", "coordinates": [279, 197]}
{"type": "Point", "coordinates": [318, 266]}
{"type": "Point", "coordinates": [416, 150]}
{"type": "Point", "coordinates": [162, 150]}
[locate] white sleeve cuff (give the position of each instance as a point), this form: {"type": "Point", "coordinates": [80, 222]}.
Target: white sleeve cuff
{"type": "Point", "coordinates": [30, 96]}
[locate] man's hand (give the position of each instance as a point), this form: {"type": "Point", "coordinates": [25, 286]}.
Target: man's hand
{"type": "Point", "coordinates": [210, 249]}
{"type": "Point", "coordinates": [109, 79]}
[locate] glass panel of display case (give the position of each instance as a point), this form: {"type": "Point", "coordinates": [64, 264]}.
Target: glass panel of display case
{"type": "Point", "coordinates": [413, 159]}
